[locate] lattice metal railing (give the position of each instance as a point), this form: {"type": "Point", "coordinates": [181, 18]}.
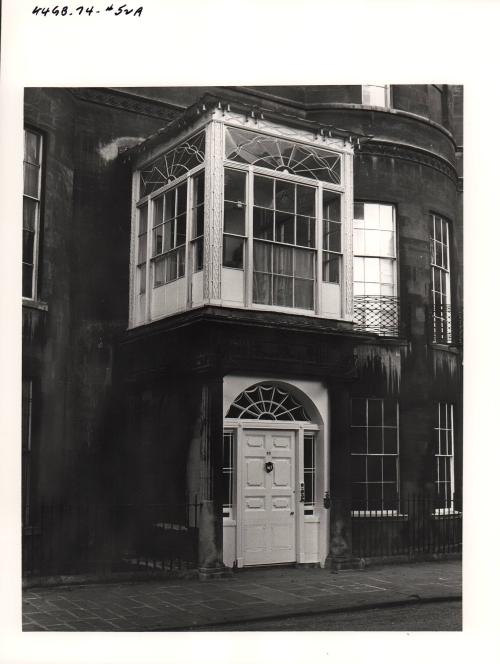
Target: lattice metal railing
{"type": "Point", "coordinates": [446, 324]}
{"type": "Point", "coordinates": [378, 314]}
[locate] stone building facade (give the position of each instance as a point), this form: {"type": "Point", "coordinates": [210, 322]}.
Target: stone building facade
{"type": "Point", "coordinates": [250, 297]}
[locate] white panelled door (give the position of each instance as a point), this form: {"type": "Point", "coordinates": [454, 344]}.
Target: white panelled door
{"type": "Point", "coordinates": [268, 497]}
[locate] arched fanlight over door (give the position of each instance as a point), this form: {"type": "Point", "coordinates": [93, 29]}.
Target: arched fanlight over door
{"type": "Point", "coordinates": [267, 402]}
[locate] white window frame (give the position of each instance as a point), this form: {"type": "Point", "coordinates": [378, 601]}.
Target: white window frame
{"type": "Point", "coordinates": [441, 273]}
{"type": "Point", "coordinates": [369, 92]}
{"type": "Point", "coordinates": [311, 471]}
{"type": "Point", "coordinates": [318, 248]}
{"type": "Point", "coordinates": [230, 470]}
{"type": "Point", "coordinates": [148, 201]}
{"type": "Point", "coordinates": [38, 202]}
{"type": "Point", "coordinates": [379, 512]}
{"type": "Point", "coordinates": [394, 257]}
{"type": "Point", "coordinates": [177, 249]}
{"type": "Point", "coordinates": [195, 240]}
{"type": "Point", "coordinates": [227, 234]}
{"type": "Point", "coordinates": [390, 314]}
{"type": "Point", "coordinates": [448, 432]}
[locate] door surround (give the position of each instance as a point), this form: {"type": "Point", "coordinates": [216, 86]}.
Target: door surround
{"type": "Point", "coordinates": [312, 519]}
{"type": "Point", "coordinates": [239, 427]}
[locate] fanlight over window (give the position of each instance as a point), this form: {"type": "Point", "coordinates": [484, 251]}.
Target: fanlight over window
{"type": "Point", "coordinates": [267, 402]}
{"type": "Point", "coordinates": [173, 164]}
{"type": "Point", "coordinates": [278, 154]}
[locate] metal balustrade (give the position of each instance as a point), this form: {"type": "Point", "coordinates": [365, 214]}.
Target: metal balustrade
{"type": "Point", "coordinates": [102, 539]}
{"type": "Point", "coordinates": [377, 314]}
{"type": "Point", "coordinates": [421, 525]}
{"type": "Point", "coordinates": [446, 324]}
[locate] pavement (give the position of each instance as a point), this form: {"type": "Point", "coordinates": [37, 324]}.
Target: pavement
{"type": "Point", "coordinates": [247, 595]}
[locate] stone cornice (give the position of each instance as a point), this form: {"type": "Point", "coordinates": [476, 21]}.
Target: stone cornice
{"type": "Point", "coordinates": [128, 102]}
{"type": "Point", "coordinates": [250, 317]}
{"type": "Point", "coordinates": [308, 107]}
{"type": "Point", "coordinates": [411, 153]}
{"type": "Point", "coordinates": [168, 111]}
{"type": "Point", "coordinates": [380, 109]}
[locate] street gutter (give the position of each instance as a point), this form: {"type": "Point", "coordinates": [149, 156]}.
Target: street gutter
{"type": "Point", "coordinates": [410, 601]}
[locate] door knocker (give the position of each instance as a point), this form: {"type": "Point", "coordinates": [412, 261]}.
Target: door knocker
{"type": "Point", "coordinates": [269, 466]}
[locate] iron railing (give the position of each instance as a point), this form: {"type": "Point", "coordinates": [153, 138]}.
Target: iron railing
{"type": "Point", "coordinates": [378, 314]}
{"type": "Point", "coordinates": [420, 526]}
{"type": "Point", "coordinates": [446, 324]}
{"type": "Point", "coordinates": [67, 539]}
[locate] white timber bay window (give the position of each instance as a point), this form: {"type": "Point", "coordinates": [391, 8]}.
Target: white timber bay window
{"type": "Point", "coordinates": [246, 214]}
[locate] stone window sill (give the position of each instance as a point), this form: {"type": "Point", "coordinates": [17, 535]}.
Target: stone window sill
{"type": "Point", "coordinates": [35, 304]}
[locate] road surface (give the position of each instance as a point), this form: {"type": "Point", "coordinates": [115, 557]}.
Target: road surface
{"type": "Point", "coordinates": [436, 616]}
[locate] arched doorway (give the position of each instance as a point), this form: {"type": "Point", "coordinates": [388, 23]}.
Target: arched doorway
{"type": "Point", "coordinates": [273, 471]}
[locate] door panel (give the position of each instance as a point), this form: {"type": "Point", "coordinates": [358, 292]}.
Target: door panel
{"type": "Point", "coordinates": [282, 473]}
{"type": "Point", "coordinates": [254, 476]}
{"type": "Point", "coordinates": [268, 497]}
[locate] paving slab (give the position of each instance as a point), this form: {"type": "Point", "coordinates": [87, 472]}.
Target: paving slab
{"type": "Point", "coordinates": [247, 595]}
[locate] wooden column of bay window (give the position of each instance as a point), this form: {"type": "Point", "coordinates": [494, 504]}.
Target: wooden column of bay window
{"type": "Point", "coordinates": [248, 265]}
{"type": "Point", "coordinates": [347, 244]}
{"type": "Point", "coordinates": [319, 249]}
{"type": "Point", "coordinates": [149, 265]}
{"type": "Point", "coordinates": [214, 213]}
{"type": "Point", "coordinates": [188, 268]}
{"type": "Point", "coordinates": [134, 224]}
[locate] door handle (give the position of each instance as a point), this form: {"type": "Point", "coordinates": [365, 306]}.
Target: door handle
{"type": "Point", "coordinates": [292, 513]}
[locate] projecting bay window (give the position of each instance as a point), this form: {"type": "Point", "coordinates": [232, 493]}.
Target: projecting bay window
{"type": "Point", "coordinates": [374, 455]}
{"type": "Point", "coordinates": [243, 218]}
{"type": "Point", "coordinates": [440, 268]}
{"type": "Point", "coordinates": [31, 211]}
